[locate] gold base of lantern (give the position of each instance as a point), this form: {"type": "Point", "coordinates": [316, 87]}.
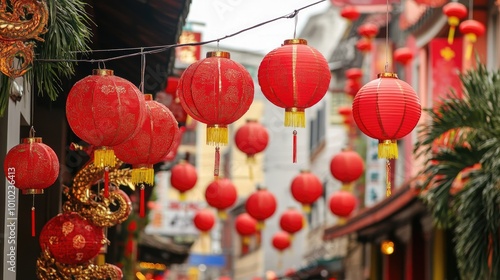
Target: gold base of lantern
{"type": "Point", "coordinates": [182, 196]}
{"type": "Point", "coordinates": [388, 149]}
{"type": "Point", "coordinates": [295, 117]}
{"type": "Point", "coordinates": [217, 135]}
{"type": "Point", "coordinates": [222, 215]}
{"type": "Point", "coordinates": [32, 191]}
{"type": "Point", "coordinates": [306, 208]}
{"type": "Point", "coordinates": [104, 156]}
{"type": "Point", "coordinates": [260, 225]}
{"type": "Point", "coordinates": [143, 174]}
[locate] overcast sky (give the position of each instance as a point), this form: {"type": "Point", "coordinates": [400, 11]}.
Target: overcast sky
{"type": "Point", "coordinates": [225, 17]}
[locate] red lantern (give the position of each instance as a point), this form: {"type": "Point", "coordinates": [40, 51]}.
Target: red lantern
{"type": "Point", "coordinates": [346, 113]}
{"type": "Point", "coordinates": [342, 203]}
{"type": "Point", "coordinates": [31, 167]}
{"type": "Point", "coordinates": [150, 145]}
{"type": "Point", "coordinates": [455, 12]}
{"type": "Point", "coordinates": [204, 220]}
{"type": "Point", "coordinates": [354, 74]}
{"type": "Point", "coordinates": [375, 114]}
{"type": "Point", "coordinates": [104, 110]}
{"type": "Point", "coordinates": [306, 188]}
{"type": "Point", "coordinates": [352, 87]}
{"type": "Point", "coordinates": [281, 240]}
{"type": "Point", "coordinates": [403, 55]}
{"type": "Point", "coordinates": [350, 13]}
{"type": "Point", "coordinates": [347, 166]}
{"type": "Point", "coordinates": [245, 226]}
{"type": "Point", "coordinates": [368, 30]}
{"type": "Point", "coordinates": [291, 221]}
{"type": "Point", "coordinates": [251, 138]}
{"type": "Point", "coordinates": [294, 76]}
{"type": "Point", "coordinates": [183, 178]}
{"type": "Point", "coordinates": [71, 239]}
{"type": "Point", "coordinates": [472, 29]}
{"type": "Point", "coordinates": [216, 91]}
{"type": "Point", "coordinates": [221, 194]}
{"type": "Point", "coordinates": [364, 45]}
{"type": "Point", "coordinates": [261, 205]}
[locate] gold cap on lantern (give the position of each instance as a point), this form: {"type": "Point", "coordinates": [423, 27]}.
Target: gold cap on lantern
{"type": "Point", "coordinates": [295, 42]}
{"type": "Point", "coordinates": [219, 54]}
{"type": "Point", "coordinates": [102, 72]}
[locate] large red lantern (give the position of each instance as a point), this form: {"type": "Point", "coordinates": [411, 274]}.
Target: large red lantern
{"type": "Point", "coordinates": [291, 221]}
{"type": "Point", "coordinates": [342, 203]}
{"type": "Point", "coordinates": [183, 178]}
{"type": "Point", "coordinates": [31, 167]}
{"type": "Point", "coordinates": [71, 239]}
{"type": "Point", "coordinates": [204, 220]}
{"type": "Point", "coordinates": [306, 188]}
{"type": "Point", "coordinates": [368, 30]}
{"type": "Point", "coordinates": [386, 109]}
{"type": "Point", "coordinates": [216, 91]}
{"type": "Point", "coordinates": [281, 240]}
{"type": "Point", "coordinates": [251, 138]}
{"type": "Point", "coordinates": [347, 166]}
{"type": "Point", "coordinates": [294, 76]}
{"type": "Point", "coordinates": [221, 194]}
{"type": "Point", "coordinates": [455, 12]}
{"type": "Point", "coordinates": [403, 55]}
{"type": "Point", "coordinates": [150, 145]}
{"type": "Point", "coordinates": [245, 226]}
{"type": "Point", "coordinates": [104, 110]}
{"type": "Point", "coordinates": [350, 13]}
{"type": "Point", "coordinates": [472, 29]}
{"type": "Point", "coordinates": [261, 205]}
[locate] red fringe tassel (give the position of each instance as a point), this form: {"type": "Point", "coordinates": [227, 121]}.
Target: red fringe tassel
{"type": "Point", "coordinates": [142, 208]}
{"type": "Point", "coordinates": [106, 182]}
{"type": "Point", "coordinates": [294, 146]}
{"type": "Point", "coordinates": [33, 231]}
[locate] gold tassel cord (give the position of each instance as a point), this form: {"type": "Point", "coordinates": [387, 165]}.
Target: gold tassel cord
{"type": "Point", "coordinates": [143, 174]}
{"type": "Point", "coordinates": [388, 178]}
{"type": "Point", "coordinates": [295, 117]}
{"type": "Point", "coordinates": [104, 156]}
{"type": "Point", "coordinates": [388, 149]}
{"type": "Point", "coordinates": [217, 135]}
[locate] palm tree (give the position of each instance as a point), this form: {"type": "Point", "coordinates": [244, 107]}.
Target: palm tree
{"type": "Point", "coordinates": [473, 212]}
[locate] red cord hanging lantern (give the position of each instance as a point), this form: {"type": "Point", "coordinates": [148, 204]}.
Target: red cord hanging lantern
{"type": "Point", "coordinates": [347, 166]}
{"type": "Point", "coordinates": [261, 205]}
{"type": "Point", "coordinates": [294, 76]}
{"type": "Point", "coordinates": [291, 221]}
{"type": "Point", "coordinates": [104, 110]}
{"type": "Point", "coordinates": [216, 91]}
{"type": "Point", "coordinates": [342, 203]}
{"type": "Point", "coordinates": [221, 194]}
{"type": "Point", "coordinates": [455, 12]}
{"type": "Point", "coordinates": [245, 226]}
{"type": "Point", "coordinates": [368, 31]}
{"type": "Point", "coordinates": [306, 188]}
{"type": "Point", "coordinates": [251, 138]}
{"type": "Point", "coordinates": [364, 45]}
{"type": "Point", "coordinates": [183, 177]}
{"type": "Point", "coordinates": [386, 109]}
{"type": "Point", "coordinates": [472, 29]}
{"type": "Point", "coordinates": [149, 146]}
{"type": "Point", "coordinates": [71, 239]}
{"type": "Point", "coordinates": [350, 13]}
{"type": "Point", "coordinates": [403, 55]}
{"type": "Point", "coordinates": [31, 167]}
{"type": "Point", "coordinates": [281, 240]}
{"type": "Point", "coordinates": [204, 220]}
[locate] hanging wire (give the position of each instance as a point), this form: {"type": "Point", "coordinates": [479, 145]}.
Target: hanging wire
{"type": "Point", "coordinates": [143, 69]}
{"type": "Point", "coordinates": [387, 37]}
{"type": "Point", "coordinates": [295, 27]}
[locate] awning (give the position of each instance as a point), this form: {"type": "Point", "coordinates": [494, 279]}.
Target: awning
{"type": "Point", "coordinates": [313, 270]}
{"type": "Point", "coordinates": [159, 249]}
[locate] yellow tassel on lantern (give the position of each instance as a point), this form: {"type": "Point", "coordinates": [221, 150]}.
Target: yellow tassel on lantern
{"type": "Point", "coordinates": [143, 174]}
{"type": "Point", "coordinates": [470, 38]}
{"type": "Point", "coordinates": [295, 117]}
{"type": "Point", "coordinates": [388, 149]}
{"type": "Point", "coordinates": [222, 214]}
{"type": "Point", "coordinates": [453, 22]}
{"type": "Point", "coordinates": [182, 196]}
{"type": "Point", "coordinates": [217, 135]}
{"type": "Point", "coordinates": [306, 208]}
{"type": "Point", "coordinates": [260, 225]}
{"type": "Point", "coordinates": [104, 156]}
{"type": "Point", "coordinates": [246, 240]}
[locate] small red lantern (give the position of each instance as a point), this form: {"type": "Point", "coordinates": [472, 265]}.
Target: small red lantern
{"type": "Point", "coordinates": [368, 31]}
{"type": "Point", "coordinates": [31, 167]}
{"type": "Point", "coordinates": [105, 110]}
{"type": "Point", "coordinates": [261, 205]}
{"type": "Point", "coordinates": [281, 240]}
{"type": "Point", "coordinates": [342, 203]}
{"type": "Point", "coordinates": [352, 87]}
{"type": "Point", "coordinates": [455, 12]}
{"type": "Point", "coordinates": [251, 138]}
{"type": "Point", "coordinates": [294, 76]}
{"type": "Point", "coordinates": [347, 166]}
{"type": "Point", "coordinates": [170, 99]}
{"type": "Point", "coordinates": [221, 194]}
{"type": "Point", "coordinates": [204, 220]}
{"type": "Point", "coordinates": [183, 178]}
{"type": "Point", "coordinates": [346, 113]}
{"type": "Point", "coordinates": [245, 226]}
{"type": "Point", "coordinates": [306, 188]}
{"type": "Point", "coordinates": [71, 239]}
{"type": "Point", "coordinates": [374, 113]}
{"type": "Point", "coordinates": [472, 29]}
{"type": "Point", "coordinates": [291, 221]}
{"type": "Point", "coordinates": [403, 55]}
{"type": "Point", "coordinates": [216, 91]}
{"type": "Point", "coordinates": [150, 145]}
{"type": "Point", "coordinates": [350, 13]}
{"type": "Point", "coordinates": [364, 45]}
{"type": "Point", "coordinates": [354, 74]}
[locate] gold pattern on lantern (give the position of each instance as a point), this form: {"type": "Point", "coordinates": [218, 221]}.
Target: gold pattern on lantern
{"type": "Point", "coordinates": [53, 240]}
{"type": "Point", "coordinates": [78, 241]}
{"type": "Point", "coordinates": [67, 228]}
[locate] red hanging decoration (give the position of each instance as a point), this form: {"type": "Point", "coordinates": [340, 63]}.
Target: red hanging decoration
{"type": "Point", "coordinates": [216, 91]}
{"type": "Point", "coordinates": [170, 99]}
{"type": "Point", "coordinates": [71, 239]}
{"type": "Point", "coordinates": [346, 113]}
{"type": "Point", "coordinates": [261, 205]}
{"type": "Point", "coordinates": [183, 178]}
{"type": "Point", "coordinates": [353, 82]}
{"type": "Point", "coordinates": [142, 206]}
{"type": "Point", "coordinates": [306, 188]}
{"type": "Point", "coordinates": [104, 110]}
{"type": "Point", "coordinates": [291, 221]}
{"type": "Point", "coordinates": [455, 12]}
{"type": "Point", "coordinates": [251, 138]}
{"type": "Point", "coordinates": [375, 115]}
{"type": "Point", "coordinates": [245, 226]}
{"type": "Point", "coordinates": [294, 76]}
{"type": "Point", "coordinates": [403, 55]}
{"type": "Point", "coordinates": [342, 203]}
{"type": "Point", "coordinates": [281, 240]}
{"type": "Point", "coordinates": [368, 31]}
{"type": "Point", "coordinates": [364, 45]}
{"type": "Point", "coordinates": [221, 194]}
{"type": "Point", "coordinates": [33, 218]}
{"type": "Point", "coordinates": [350, 13]}
{"type": "Point", "coordinates": [204, 220]}
{"type": "Point", "coordinates": [347, 166]}
{"type": "Point", "coordinates": [472, 29]}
